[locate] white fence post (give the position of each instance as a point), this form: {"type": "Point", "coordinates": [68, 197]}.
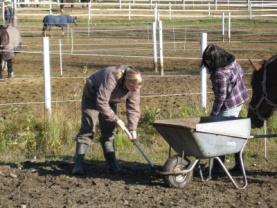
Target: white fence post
{"type": "Point", "coordinates": [229, 27]}
{"type": "Point", "coordinates": [15, 4]}
{"type": "Point", "coordinates": [154, 37]}
{"type": "Point", "coordinates": [89, 16]}
{"type": "Point", "coordinates": [223, 26]}
{"type": "Point", "coordinates": [50, 7]}
{"type": "Point", "coordinates": [250, 9]}
{"type": "Point", "coordinates": [170, 12]}
{"type": "Point", "coordinates": [156, 13]}
{"type": "Point", "coordinates": [72, 41]}
{"type": "Point", "coordinates": [61, 58]}
{"type": "Point", "coordinates": [129, 11]}
{"type": "Point", "coordinates": [3, 12]}
{"type": "Point", "coordinates": [203, 72]}
{"type": "Point", "coordinates": [14, 7]}
{"type": "Point", "coordinates": [47, 76]}
{"type": "Point", "coordinates": [209, 8]}
{"type": "Point", "coordinates": [161, 47]}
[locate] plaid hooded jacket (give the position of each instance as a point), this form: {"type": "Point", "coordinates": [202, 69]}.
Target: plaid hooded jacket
{"type": "Point", "coordinates": [229, 88]}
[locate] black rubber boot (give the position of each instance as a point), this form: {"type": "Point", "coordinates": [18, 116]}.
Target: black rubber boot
{"type": "Point", "coordinates": [217, 169]}
{"type": "Point", "coordinates": [237, 166]}
{"type": "Point", "coordinates": [1, 76]}
{"type": "Point", "coordinates": [112, 163]}
{"type": "Point", "coordinates": [78, 168]}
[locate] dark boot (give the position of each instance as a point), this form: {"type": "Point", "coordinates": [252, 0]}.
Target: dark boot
{"type": "Point", "coordinates": [109, 154]}
{"type": "Point", "coordinates": [1, 76]}
{"type": "Point", "coordinates": [237, 166]}
{"type": "Point", "coordinates": [217, 169]}
{"type": "Point", "coordinates": [78, 168]}
{"type": "Point", "coordinates": [112, 162]}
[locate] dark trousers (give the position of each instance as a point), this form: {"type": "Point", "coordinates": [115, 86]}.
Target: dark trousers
{"type": "Point", "coordinates": [90, 118]}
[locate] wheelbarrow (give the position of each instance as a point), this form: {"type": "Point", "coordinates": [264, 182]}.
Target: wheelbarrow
{"type": "Point", "coordinates": [195, 139]}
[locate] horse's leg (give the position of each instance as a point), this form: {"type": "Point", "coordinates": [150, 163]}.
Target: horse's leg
{"type": "Point", "coordinates": [62, 32]}
{"type": "Point", "coordinates": [4, 65]}
{"type": "Point", "coordinates": [1, 67]}
{"type": "Point", "coordinates": [43, 30]}
{"type": "Point", "coordinates": [10, 68]}
{"type": "Point", "coordinates": [49, 30]}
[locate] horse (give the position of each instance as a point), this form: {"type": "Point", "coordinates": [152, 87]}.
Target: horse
{"type": "Point", "coordinates": [264, 88]}
{"type": "Point", "coordinates": [10, 44]}
{"type": "Point", "coordinates": [58, 21]}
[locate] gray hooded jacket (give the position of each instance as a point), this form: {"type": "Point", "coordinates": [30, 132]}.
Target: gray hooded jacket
{"type": "Point", "coordinates": [105, 89]}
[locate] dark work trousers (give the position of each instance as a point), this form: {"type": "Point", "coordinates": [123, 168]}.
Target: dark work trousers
{"type": "Point", "coordinates": [90, 118]}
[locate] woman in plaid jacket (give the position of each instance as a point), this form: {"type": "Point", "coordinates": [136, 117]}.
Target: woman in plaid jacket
{"type": "Point", "coordinates": [230, 92]}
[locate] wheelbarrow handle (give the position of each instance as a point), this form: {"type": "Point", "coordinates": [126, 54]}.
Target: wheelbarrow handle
{"type": "Point", "coordinates": [261, 136]}
{"type": "Point", "coordinates": [135, 142]}
{"type": "Point", "coordinates": [127, 132]}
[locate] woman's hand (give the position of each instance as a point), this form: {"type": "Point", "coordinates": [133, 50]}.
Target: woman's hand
{"type": "Point", "coordinates": [121, 124]}
{"type": "Point", "coordinates": [134, 135]}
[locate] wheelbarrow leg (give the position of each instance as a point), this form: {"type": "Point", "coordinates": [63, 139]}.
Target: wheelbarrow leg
{"type": "Point", "coordinates": [245, 183]}
{"type": "Point", "coordinates": [209, 177]}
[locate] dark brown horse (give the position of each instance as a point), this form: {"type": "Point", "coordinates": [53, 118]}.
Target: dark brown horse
{"type": "Point", "coordinates": [10, 44]}
{"type": "Point", "coordinates": [4, 40]}
{"type": "Point", "coordinates": [264, 87]}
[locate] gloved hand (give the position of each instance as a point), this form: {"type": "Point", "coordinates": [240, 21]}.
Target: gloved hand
{"type": "Point", "coordinates": [133, 134]}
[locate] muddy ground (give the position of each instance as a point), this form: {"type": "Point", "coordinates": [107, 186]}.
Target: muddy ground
{"type": "Point", "coordinates": [50, 184]}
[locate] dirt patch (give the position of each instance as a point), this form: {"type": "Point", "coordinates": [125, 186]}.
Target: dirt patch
{"type": "Point", "coordinates": [49, 184]}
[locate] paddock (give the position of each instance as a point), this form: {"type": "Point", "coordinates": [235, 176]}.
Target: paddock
{"type": "Point", "coordinates": [109, 34]}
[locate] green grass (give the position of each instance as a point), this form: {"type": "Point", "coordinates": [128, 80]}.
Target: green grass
{"type": "Point", "coordinates": [25, 136]}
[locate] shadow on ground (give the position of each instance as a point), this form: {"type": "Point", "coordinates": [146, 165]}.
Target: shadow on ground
{"type": "Point", "coordinates": [132, 172]}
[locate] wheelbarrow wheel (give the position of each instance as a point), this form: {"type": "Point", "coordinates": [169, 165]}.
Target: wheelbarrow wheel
{"type": "Point", "coordinates": [174, 164]}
